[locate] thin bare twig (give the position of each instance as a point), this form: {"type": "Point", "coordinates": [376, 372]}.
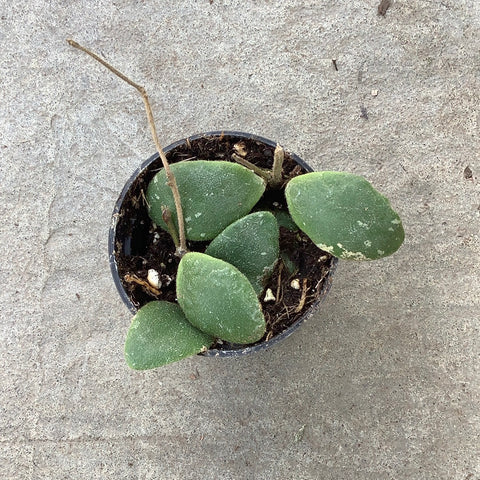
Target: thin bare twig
{"type": "Point", "coordinates": [182, 248]}
{"type": "Point", "coordinates": [134, 279]}
{"type": "Point", "coordinates": [303, 297]}
{"type": "Point", "coordinates": [259, 171]}
{"type": "Point", "coordinates": [279, 295]}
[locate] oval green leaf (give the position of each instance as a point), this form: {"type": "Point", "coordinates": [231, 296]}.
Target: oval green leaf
{"type": "Point", "coordinates": [160, 334]}
{"type": "Point", "coordinates": [218, 299]}
{"type": "Point", "coordinates": [344, 215]}
{"type": "Point", "coordinates": [285, 220]}
{"type": "Point", "coordinates": [213, 195]}
{"type": "Point", "coordinates": [251, 244]}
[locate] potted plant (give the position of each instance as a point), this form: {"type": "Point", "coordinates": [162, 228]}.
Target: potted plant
{"type": "Point", "coordinates": [233, 241]}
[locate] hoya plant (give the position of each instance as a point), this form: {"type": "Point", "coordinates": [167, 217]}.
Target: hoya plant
{"type": "Point", "coordinates": [217, 204]}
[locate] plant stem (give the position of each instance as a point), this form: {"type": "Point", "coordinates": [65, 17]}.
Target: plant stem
{"type": "Point", "coordinates": [259, 171]}
{"type": "Point", "coordinates": [182, 247]}
{"type": "Point", "coordinates": [172, 230]}
{"type": "Point", "coordinates": [278, 158]}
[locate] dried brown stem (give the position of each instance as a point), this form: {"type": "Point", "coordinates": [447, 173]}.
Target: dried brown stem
{"type": "Point", "coordinates": [278, 158]}
{"type": "Point", "coordinates": [182, 248]}
{"type": "Point", "coordinates": [134, 279]}
{"type": "Point", "coordinates": [303, 297]}
{"type": "Point", "coordinates": [259, 171]}
{"type": "Point", "coordinates": [279, 295]}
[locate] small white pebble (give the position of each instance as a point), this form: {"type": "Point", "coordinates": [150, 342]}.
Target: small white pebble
{"type": "Point", "coordinates": [269, 296]}
{"type": "Point", "coordinates": [374, 93]}
{"type": "Point", "coordinates": [295, 284]}
{"type": "Point", "coordinates": [153, 278]}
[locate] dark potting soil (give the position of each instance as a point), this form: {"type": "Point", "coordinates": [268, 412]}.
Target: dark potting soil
{"type": "Point", "coordinates": [140, 245]}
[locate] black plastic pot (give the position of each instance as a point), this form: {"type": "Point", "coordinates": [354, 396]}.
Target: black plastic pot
{"type": "Point", "coordinates": [112, 242]}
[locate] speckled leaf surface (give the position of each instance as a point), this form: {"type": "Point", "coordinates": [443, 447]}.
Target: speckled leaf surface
{"type": "Point", "coordinates": [213, 195]}
{"type": "Point", "coordinates": [251, 244]}
{"type": "Point", "coordinates": [161, 334]}
{"type": "Point", "coordinates": [344, 215]}
{"type": "Point", "coordinates": [218, 299]}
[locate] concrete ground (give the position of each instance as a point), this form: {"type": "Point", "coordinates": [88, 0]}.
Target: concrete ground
{"type": "Point", "coordinates": [384, 383]}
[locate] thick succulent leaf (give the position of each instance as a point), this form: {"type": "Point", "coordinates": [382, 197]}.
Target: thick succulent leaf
{"type": "Point", "coordinates": [251, 244]}
{"type": "Point", "coordinates": [160, 334]}
{"type": "Point", "coordinates": [285, 220]}
{"type": "Point", "coordinates": [344, 215]}
{"type": "Point", "coordinates": [218, 299]}
{"type": "Point", "coordinates": [289, 264]}
{"type": "Point", "coordinates": [213, 195]}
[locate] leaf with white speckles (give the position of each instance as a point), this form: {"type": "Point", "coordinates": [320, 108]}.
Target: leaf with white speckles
{"type": "Point", "coordinates": [344, 215]}
{"type": "Point", "coordinates": [218, 299]}
{"type": "Point", "coordinates": [213, 195]}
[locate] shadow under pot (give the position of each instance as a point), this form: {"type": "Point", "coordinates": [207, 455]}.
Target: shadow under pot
{"type": "Point", "coordinates": [300, 280]}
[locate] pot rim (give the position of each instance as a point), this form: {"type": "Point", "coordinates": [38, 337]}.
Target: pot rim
{"type": "Point", "coordinates": [114, 268]}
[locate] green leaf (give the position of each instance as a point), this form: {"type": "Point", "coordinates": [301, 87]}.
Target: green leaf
{"type": "Point", "coordinates": [160, 334]}
{"type": "Point", "coordinates": [344, 215]}
{"type": "Point", "coordinates": [290, 265]}
{"type": "Point", "coordinates": [285, 220]}
{"type": "Point", "coordinates": [218, 299]}
{"type": "Point", "coordinates": [213, 195]}
{"type": "Point", "coordinates": [251, 244]}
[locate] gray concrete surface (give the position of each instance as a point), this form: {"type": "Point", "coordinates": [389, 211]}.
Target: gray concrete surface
{"type": "Point", "coordinates": [384, 383]}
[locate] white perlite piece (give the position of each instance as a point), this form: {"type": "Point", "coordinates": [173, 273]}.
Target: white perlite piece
{"type": "Point", "coordinates": [295, 284]}
{"type": "Point", "coordinates": [269, 296]}
{"type": "Point", "coordinates": [153, 278]}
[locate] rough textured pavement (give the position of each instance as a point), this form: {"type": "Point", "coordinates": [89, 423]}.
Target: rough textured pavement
{"type": "Point", "coordinates": [384, 383]}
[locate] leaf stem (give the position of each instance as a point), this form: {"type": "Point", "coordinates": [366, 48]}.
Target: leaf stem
{"type": "Point", "coordinates": [172, 229]}
{"type": "Point", "coordinates": [259, 171]}
{"type": "Point", "coordinates": [278, 158]}
{"type": "Point", "coordinates": [182, 247]}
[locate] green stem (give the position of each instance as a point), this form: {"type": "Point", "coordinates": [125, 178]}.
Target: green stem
{"type": "Point", "coordinates": [172, 229]}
